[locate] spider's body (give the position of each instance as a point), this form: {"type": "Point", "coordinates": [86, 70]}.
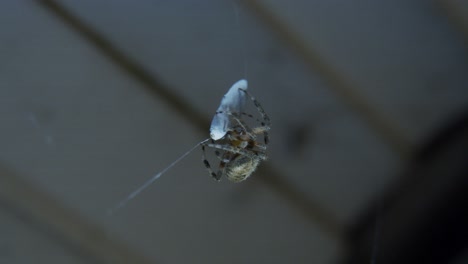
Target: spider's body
{"type": "Point", "coordinates": [235, 143]}
{"type": "Point", "coordinates": [241, 167]}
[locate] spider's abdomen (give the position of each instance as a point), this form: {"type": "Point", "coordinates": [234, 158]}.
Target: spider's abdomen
{"type": "Point", "coordinates": [241, 168]}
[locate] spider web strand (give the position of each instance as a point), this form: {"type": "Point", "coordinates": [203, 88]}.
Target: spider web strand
{"type": "Point", "coordinates": [152, 179]}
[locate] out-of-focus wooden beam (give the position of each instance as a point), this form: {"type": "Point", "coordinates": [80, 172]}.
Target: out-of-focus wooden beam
{"type": "Point", "coordinates": [458, 20]}
{"type": "Point", "coordinates": [342, 87]}
{"type": "Point", "coordinates": [76, 233]}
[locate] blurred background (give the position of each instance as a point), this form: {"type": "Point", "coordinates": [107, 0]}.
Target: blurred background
{"type": "Point", "coordinates": [368, 156]}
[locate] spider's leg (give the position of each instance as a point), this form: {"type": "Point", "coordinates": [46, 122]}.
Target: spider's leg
{"type": "Point", "coordinates": [261, 146]}
{"type": "Point", "coordinates": [241, 151]}
{"type": "Point", "coordinates": [252, 117]}
{"type": "Point", "coordinates": [266, 119]}
{"type": "Point", "coordinates": [216, 176]}
{"type": "Point", "coordinates": [244, 126]}
{"type": "Point", "coordinates": [260, 130]}
{"type": "Point", "coordinates": [257, 131]}
{"type": "Point", "coordinates": [217, 153]}
{"type": "Point", "coordinates": [227, 157]}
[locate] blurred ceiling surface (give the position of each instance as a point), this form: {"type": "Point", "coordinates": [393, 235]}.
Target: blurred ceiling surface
{"type": "Point", "coordinates": [98, 96]}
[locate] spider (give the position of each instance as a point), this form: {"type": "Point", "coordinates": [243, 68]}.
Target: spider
{"type": "Point", "coordinates": [235, 143]}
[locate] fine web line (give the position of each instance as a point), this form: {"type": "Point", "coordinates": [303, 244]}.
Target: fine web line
{"type": "Point", "coordinates": [241, 36]}
{"type": "Point", "coordinates": [152, 179]}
